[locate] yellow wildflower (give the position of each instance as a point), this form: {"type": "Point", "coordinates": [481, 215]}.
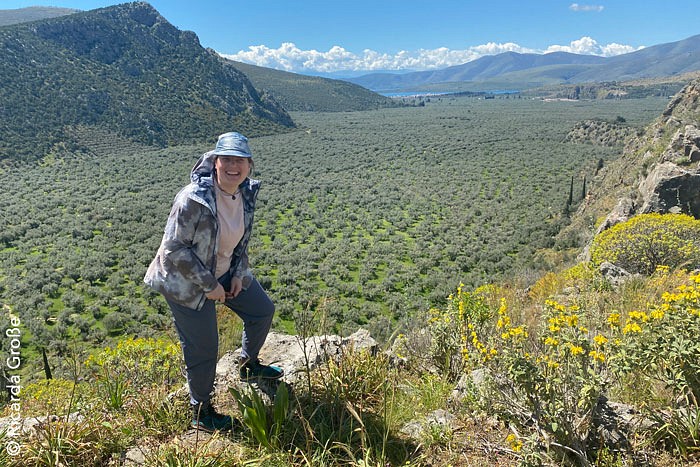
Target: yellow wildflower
{"type": "Point", "coordinates": [657, 314]}
{"type": "Point", "coordinates": [600, 339]}
{"type": "Point", "coordinates": [614, 319]}
{"type": "Point", "coordinates": [597, 356]}
{"type": "Point", "coordinates": [551, 341]}
{"type": "Point", "coordinates": [514, 442]}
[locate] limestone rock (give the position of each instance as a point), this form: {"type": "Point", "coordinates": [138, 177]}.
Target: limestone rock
{"type": "Point", "coordinates": [615, 275]}
{"type": "Point", "coordinates": [438, 420]}
{"type": "Point", "coordinates": [623, 211]}
{"type": "Point", "coordinates": [292, 353]}
{"type": "Point", "coordinates": [670, 188]}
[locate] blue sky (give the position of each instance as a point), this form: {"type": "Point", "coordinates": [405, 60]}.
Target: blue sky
{"type": "Point", "coordinates": [370, 35]}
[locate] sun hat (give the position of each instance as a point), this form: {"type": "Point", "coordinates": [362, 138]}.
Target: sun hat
{"type": "Point", "coordinates": [232, 144]}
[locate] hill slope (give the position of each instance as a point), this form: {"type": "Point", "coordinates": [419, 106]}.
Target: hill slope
{"type": "Point", "coordinates": [658, 171]}
{"type": "Point", "coordinates": [32, 13]}
{"type": "Point", "coordinates": [124, 69]}
{"type": "Point", "coordinates": [300, 92]}
{"type": "Point", "coordinates": [528, 70]}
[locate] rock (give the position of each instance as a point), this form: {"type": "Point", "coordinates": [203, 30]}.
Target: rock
{"type": "Point", "coordinates": [684, 146]}
{"type": "Point", "coordinates": [615, 423]}
{"type": "Point", "coordinates": [438, 420]}
{"type": "Point", "coordinates": [191, 441]}
{"type": "Point", "coordinates": [26, 425]}
{"type": "Point", "coordinates": [615, 275]}
{"type": "Point", "coordinates": [670, 188]}
{"type": "Point", "coordinates": [623, 211]}
{"type": "Point", "coordinates": [292, 354]}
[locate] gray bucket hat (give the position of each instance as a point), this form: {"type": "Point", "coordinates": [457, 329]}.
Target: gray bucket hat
{"type": "Point", "coordinates": [232, 144]}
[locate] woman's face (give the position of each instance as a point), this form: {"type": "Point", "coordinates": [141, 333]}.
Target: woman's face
{"type": "Point", "coordinates": [231, 171]}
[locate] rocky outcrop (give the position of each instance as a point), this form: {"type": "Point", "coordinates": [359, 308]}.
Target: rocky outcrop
{"type": "Point", "coordinates": [615, 275]}
{"type": "Point", "coordinates": [659, 171]}
{"type": "Point", "coordinates": [294, 354]}
{"type": "Point", "coordinates": [684, 146]}
{"type": "Point", "coordinates": [670, 188]}
{"type": "Point", "coordinates": [600, 133]}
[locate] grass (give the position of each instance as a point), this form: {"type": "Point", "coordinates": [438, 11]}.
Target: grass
{"type": "Point", "coordinates": [355, 410]}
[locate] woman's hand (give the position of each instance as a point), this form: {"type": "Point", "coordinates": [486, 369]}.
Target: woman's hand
{"type": "Point", "coordinates": [236, 287]}
{"type": "Point", "coordinates": [218, 294]}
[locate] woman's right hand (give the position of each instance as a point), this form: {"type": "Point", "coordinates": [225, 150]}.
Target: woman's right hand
{"type": "Point", "coordinates": [218, 294]}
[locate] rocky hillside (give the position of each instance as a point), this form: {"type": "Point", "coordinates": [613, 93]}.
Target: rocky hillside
{"type": "Point", "coordinates": [312, 93]}
{"type": "Point", "coordinates": [659, 171]}
{"type": "Point", "coordinates": [600, 133]}
{"type": "Point", "coordinates": [124, 69]}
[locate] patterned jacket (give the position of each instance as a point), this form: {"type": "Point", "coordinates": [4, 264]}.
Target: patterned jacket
{"type": "Point", "coordinates": [183, 269]}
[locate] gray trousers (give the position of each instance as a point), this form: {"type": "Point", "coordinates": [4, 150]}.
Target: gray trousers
{"type": "Point", "coordinates": [199, 334]}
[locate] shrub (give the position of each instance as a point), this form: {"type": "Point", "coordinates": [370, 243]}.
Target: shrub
{"type": "Point", "coordinates": [647, 241]}
{"type": "Point", "coordinates": [142, 362]}
{"type": "Point", "coordinates": [662, 342]}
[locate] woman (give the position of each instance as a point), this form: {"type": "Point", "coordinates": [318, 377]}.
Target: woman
{"type": "Point", "coordinates": [203, 259]}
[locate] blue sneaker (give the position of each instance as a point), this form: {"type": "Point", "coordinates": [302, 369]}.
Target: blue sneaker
{"type": "Point", "coordinates": [205, 418]}
{"type": "Point", "coordinates": [253, 370]}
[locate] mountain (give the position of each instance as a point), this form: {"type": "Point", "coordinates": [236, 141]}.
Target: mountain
{"type": "Point", "coordinates": [300, 92]}
{"type": "Point", "coordinates": [481, 69]}
{"type": "Point", "coordinates": [126, 70]}
{"type": "Point", "coordinates": [32, 13]}
{"type": "Point", "coordinates": [521, 71]}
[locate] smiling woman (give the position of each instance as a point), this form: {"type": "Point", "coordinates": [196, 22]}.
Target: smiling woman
{"type": "Point", "coordinates": [203, 259]}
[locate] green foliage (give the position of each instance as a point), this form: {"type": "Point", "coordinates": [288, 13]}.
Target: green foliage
{"type": "Point", "coordinates": [62, 442]}
{"type": "Point", "coordinates": [451, 329]}
{"type": "Point", "coordinates": [311, 93]}
{"type": "Point", "coordinates": [648, 241]}
{"type": "Point", "coordinates": [661, 343]}
{"type": "Point", "coordinates": [126, 70]}
{"type": "Point", "coordinates": [142, 362]}
{"type": "Point", "coordinates": [358, 250]}
{"type": "Point", "coordinates": [265, 425]}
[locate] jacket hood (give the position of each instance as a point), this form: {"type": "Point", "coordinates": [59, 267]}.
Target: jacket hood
{"type": "Point", "coordinates": [204, 168]}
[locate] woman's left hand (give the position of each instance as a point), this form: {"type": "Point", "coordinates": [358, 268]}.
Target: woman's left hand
{"type": "Point", "coordinates": [236, 287]}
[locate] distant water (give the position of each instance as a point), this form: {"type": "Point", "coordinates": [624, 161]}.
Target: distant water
{"type": "Point", "coordinates": [414, 94]}
{"type": "Point", "coordinates": [433, 93]}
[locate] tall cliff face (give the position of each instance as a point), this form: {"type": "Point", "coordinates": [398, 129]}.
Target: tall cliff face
{"type": "Point", "coordinates": [124, 69]}
{"type": "Point", "coordinates": [659, 171]}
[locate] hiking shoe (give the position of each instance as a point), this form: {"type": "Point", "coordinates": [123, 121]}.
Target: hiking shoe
{"type": "Point", "coordinates": [205, 418]}
{"type": "Point", "coordinates": [253, 370]}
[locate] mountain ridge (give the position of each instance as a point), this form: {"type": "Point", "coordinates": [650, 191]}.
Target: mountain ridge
{"type": "Point", "coordinates": [32, 13]}
{"type": "Point", "coordinates": [313, 93]}
{"type": "Point", "coordinates": [125, 69]}
{"type": "Point", "coordinates": [651, 62]}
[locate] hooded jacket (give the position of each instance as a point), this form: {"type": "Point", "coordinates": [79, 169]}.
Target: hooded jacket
{"type": "Point", "coordinates": [183, 268]}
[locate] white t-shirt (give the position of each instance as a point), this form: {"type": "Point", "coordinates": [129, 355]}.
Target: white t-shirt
{"type": "Point", "coordinates": [231, 228]}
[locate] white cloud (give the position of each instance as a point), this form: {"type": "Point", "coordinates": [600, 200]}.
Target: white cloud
{"type": "Point", "coordinates": [588, 46]}
{"type": "Point", "coordinates": [291, 58]}
{"type": "Point", "coordinates": [578, 7]}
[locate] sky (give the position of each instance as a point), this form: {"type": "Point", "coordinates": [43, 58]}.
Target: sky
{"type": "Point", "coordinates": [351, 36]}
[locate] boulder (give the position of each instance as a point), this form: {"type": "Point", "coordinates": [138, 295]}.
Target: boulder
{"type": "Point", "coordinates": [624, 210]}
{"type": "Point", "coordinates": [438, 421]}
{"type": "Point", "coordinates": [293, 354]}
{"type": "Point", "coordinates": [670, 188]}
{"type": "Point", "coordinates": [615, 275]}
{"type": "Point", "coordinates": [684, 146]}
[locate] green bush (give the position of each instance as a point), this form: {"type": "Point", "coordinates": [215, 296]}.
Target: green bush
{"type": "Point", "coordinates": [647, 241]}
